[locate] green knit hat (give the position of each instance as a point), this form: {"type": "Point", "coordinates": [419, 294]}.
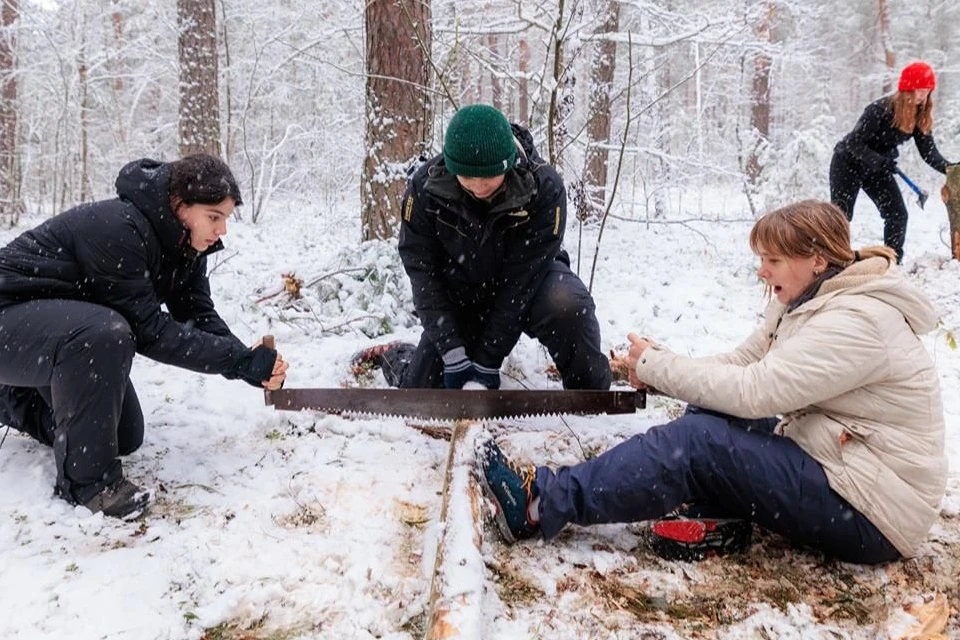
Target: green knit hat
{"type": "Point", "coordinates": [479, 143]}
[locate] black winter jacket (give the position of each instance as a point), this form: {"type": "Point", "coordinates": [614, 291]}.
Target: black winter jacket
{"type": "Point", "coordinates": [466, 256]}
{"type": "Point", "coordinates": [132, 254]}
{"type": "Point", "coordinates": [874, 140]}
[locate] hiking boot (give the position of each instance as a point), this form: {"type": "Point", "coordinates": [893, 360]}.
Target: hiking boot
{"type": "Point", "coordinates": [512, 488]}
{"type": "Point", "coordinates": [122, 499]}
{"type": "Point", "coordinates": [379, 356]}
{"type": "Point", "coordinates": [697, 532]}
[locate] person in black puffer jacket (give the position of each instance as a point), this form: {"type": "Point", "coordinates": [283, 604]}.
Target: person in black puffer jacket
{"type": "Point", "coordinates": [82, 292]}
{"type": "Point", "coordinates": [866, 158]}
{"type": "Point", "coordinates": [480, 238]}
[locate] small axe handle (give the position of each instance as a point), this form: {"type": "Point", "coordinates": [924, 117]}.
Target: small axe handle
{"type": "Point", "coordinates": [921, 194]}
{"type": "Point", "coordinates": [270, 343]}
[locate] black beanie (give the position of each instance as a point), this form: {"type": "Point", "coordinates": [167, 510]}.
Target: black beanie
{"type": "Point", "coordinates": [479, 143]}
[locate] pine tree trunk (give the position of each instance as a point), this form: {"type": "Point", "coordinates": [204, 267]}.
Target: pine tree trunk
{"type": "Point", "coordinates": [116, 20]}
{"type": "Point", "coordinates": [11, 205]}
{"type": "Point", "coordinates": [523, 102]}
{"type": "Point", "coordinates": [559, 109]}
{"type": "Point", "coordinates": [760, 97]}
{"type": "Point", "coordinates": [598, 120]}
{"type": "Point", "coordinates": [117, 68]}
{"type": "Point", "coordinates": [199, 78]}
{"type": "Point", "coordinates": [84, 89]}
{"type": "Point", "coordinates": [885, 38]}
{"type": "Point", "coordinates": [496, 84]}
{"type": "Point", "coordinates": [398, 37]}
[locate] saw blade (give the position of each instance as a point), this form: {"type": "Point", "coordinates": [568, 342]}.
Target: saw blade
{"type": "Point", "coordinates": [459, 404]}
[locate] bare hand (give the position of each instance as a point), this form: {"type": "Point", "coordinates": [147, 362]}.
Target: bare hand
{"type": "Point", "coordinates": [279, 374]}
{"type": "Point", "coordinates": [619, 366]}
{"type": "Point", "coordinates": [637, 346]}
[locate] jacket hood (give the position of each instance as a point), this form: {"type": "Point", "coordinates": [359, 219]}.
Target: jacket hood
{"type": "Point", "coordinates": [146, 185]}
{"type": "Point", "coordinates": [529, 155]}
{"type": "Point", "coordinates": [875, 278]}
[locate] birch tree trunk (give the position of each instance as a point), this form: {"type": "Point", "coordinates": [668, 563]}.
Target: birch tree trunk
{"type": "Point", "coordinates": [199, 129]}
{"type": "Point", "coordinates": [398, 37]}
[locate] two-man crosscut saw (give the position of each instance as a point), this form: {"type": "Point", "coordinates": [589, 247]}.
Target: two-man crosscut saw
{"type": "Point", "coordinates": [458, 404]}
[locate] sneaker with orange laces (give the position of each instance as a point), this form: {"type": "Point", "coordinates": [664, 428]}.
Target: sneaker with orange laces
{"type": "Point", "coordinates": [513, 489]}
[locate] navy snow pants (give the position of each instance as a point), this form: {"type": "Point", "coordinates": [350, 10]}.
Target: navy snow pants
{"type": "Point", "coordinates": [562, 316]}
{"type": "Point", "coordinates": [737, 466]}
{"type": "Point", "coordinates": [64, 379]}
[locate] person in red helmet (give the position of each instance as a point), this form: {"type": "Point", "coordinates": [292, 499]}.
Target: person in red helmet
{"type": "Point", "coordinates": [866, 158]}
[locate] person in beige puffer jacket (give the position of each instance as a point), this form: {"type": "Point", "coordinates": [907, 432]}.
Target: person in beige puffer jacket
{"type": "Point", "coordinates": [854, 466]}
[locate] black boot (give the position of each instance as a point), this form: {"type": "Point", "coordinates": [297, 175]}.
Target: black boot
{"type": "Point", "coordinates": [122, 499]}
{"type": "Point", "coordinates": [392, 357]}
{"type": "Point", "coordinates": [698, 532]}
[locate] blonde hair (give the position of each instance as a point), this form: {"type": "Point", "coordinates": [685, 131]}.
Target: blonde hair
{"type": "Point", "coordinates": [809, 228]}
{"type": "Point", "coordinates": [907, 116]}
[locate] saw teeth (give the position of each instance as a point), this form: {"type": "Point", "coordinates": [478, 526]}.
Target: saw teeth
{"type": "Point", "coordinates": [379, 416]}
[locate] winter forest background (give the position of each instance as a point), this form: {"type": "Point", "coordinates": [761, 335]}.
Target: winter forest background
{"type": "Point", "coordinates": [638, 103]}
{"type": "Point", "coordinates": [674, 123]}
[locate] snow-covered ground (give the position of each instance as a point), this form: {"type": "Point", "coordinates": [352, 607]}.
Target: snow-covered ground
{"type": "Point", "coordinates": [281, 525]}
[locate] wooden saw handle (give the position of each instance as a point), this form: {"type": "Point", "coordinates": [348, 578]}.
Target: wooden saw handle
{"type": "Point", "coordinates": [270, 343]}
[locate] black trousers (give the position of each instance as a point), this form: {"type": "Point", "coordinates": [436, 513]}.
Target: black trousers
{"type": "Point", "coordinates": [846, 180]}
{"type": "Point", "coordinates": [562, 316]}
{"type": "Point", "coordinates": [64, 379]}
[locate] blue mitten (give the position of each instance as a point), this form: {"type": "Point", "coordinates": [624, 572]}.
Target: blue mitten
{"type": "Point", "coordinates": [487, 376]}
{"type": "Point", "coordinates": [457, 368]}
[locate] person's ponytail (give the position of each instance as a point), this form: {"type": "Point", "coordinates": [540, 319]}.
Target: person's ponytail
{"type": "Point", "coordinates": [875, 251]}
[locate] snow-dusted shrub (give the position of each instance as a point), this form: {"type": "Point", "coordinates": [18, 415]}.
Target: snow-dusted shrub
{"type": "Point", "coordinates": [371, 282]}
{"type": "Point", "coordinates": [799, 168]}
{"type": "Point", "coordinates": [362, 288]}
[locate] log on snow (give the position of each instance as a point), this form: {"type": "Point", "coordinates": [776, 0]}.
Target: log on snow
{"type": "Point", "coordinates": [456, 590]}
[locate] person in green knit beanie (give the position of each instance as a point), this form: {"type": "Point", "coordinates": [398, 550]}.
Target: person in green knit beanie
{"type": "Point", "coordinates": [479, 144]}
{"type": "Point", "coordinates": [481, 239]}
